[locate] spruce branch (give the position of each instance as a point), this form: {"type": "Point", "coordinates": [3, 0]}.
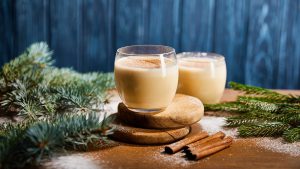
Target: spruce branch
{"type": "Point", "coordinates": [57, 106]}
{"type": "Point", "coordinates": [33, 62]}
{"type": "Point", "coordinates": [28, 145]}
{"type": "Point", "coordinates": [227, 107]}
{"type": "Point", "coordinates": [265, 93]}
{"type": "Point", "coordinates": [292, 135]}
{"type": "Point", "coordinates": [238, 121]}
{"type": "Point", "coordinates": [259, 105]}
{"type": "Point", "coordinates": [273, 107]}
{"type": "Point", "coordinates": [264, 129]}
{"type": "Point", "coordinates": [263, 112]}
{"type": "Point", "coordinates": [252, 89]}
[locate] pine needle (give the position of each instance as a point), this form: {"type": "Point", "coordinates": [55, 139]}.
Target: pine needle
{"type": "Point", "coordinates": [263, 130]}
{"type": "Point", "coordinates": [292, 135]}
{"type": "Point", "coordinates": [263, 112]}
{"type": "Point", "coordinates": [60, 108]}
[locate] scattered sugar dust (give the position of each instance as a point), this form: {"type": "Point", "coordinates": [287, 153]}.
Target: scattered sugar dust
{"type": "Point", "coordinates": [176, 159]}
{"type": "Point", "coordinates": [278, 145]}
{"type": "Point", "coordinates": [74, 161]}
{"type": "Point", "coordinates": [213, 124]}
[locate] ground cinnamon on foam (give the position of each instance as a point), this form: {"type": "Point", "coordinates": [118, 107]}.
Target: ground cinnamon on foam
{"type": "Point", "coordinates": [142, 62]}
{"type": "Point", "coordinates": [194, 62]}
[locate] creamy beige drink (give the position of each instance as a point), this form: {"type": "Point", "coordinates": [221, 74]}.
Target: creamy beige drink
{"type": "Point", "coordinates": [203, 77]}
{"type": "Point", "coordinates": [146, 82]}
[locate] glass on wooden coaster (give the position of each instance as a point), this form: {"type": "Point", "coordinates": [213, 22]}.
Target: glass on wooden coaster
{"type": "Point", "coordinates": [146, 77]}
{"type": "Point", "coordinates": [202, 75]}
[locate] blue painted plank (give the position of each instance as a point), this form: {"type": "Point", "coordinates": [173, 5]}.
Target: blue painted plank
{"type": "Point", "coordinates": [289, 56]}
{"type": "Point", "coordinates": [260, 39]}
{"type": "Point", "coordinates": [66, 32]}
{"type": "Point", "coordinates": [263, 42]}
{"type": "Point", "coordinates": [197, 25]}
{"type": "Point", "coordinates": [111, 35]}
{"type": "Point", "coordinates": [164, 23]}
{"type": "Point", "coordinates": [97, 35]}
{"type": "Point", "coordinates": [31, 23]}
{"type": "Point", "coordinates": [230, 36]}
{"type": "Point", "coordinates": [130, 22]}
{"type": "Point", "coordinates": [6, 31]}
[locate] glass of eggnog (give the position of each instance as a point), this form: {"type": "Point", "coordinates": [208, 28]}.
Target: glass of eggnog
{"type": "Point", "coordinates": [202, 75]}
{"type": "Point", "coordinates": [146, 77]}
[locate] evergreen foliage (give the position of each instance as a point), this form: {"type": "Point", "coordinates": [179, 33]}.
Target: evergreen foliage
{"type": "Point", "coordinates": [262, 112]}
{"type": "Point", "coordinates": [59, 108]}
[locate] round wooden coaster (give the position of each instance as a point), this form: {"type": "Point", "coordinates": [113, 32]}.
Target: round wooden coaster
{"type": "Point", "coordinates": [126, 133]}
{"type": "Point", "coordinates": [183, 111]}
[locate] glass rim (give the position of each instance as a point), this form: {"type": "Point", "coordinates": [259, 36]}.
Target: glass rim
{"type": "Point", "coordinates": [214, 56]}
{"type": "Point", "coordinates": [169, 51]}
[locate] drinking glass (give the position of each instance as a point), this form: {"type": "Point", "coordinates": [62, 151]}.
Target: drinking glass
{"type": "Point", "coordinates": [202, 75]}
{"type": "Point", "coordinates": [146, 77]}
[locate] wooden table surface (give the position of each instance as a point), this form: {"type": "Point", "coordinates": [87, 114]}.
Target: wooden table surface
{"type": "Point", "coordinates": [244, 153]}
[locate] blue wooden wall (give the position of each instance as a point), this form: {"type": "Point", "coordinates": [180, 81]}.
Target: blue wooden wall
{"type": "Point", "coordinates": [259, 38]}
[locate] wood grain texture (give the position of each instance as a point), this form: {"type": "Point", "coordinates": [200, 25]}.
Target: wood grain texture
{"type": "Point", "coordinates": [183, 111]}
{"type": "Point", "coordinates": [230, 36]}
{"type": "Point", "coordinates": [289, 61]}
{"type": "Point", "coordinates": [197, 25]}
{"type": "Point", "coordinates": [129, 134]}
{"type": "Point", "coordinates": [96, 35]}
{"type": "Point", "coordinates": [130, 25]}
{"type": "Point", "coordinates": [263, 42]}
{"type": "Point", "coordinates": [66, 32]}
{"type": "Point", "coordinates": [164, 23]}
{"type": "Point", "coordinates": [32, 19]}
{"type": "Point", "coordinates": [259, 38]}
{"type": "Point", "coordinates": [7, 16]}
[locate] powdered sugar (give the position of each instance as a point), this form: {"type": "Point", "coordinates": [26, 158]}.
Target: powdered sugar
{"type": "Point", "coordinates": [213, 124]}
{"type": "Point", "coordinates": [177, 159]}
{"type": "Point", "coordinates": [74, 161]}
{"type": "Point", "coordinates": [278, 145]}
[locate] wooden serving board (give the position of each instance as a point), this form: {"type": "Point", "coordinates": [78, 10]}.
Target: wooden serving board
{"type": "Point", "coordinates": [244, 153]}
{"type": "Point", "coordinates": [183, 111]}
{"type": "Point", "coordinates": [129, 134]}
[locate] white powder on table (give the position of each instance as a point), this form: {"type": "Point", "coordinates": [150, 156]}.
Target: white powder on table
{"type": "Point", "coordinates": [176, 159]}
{"type": "Point", "coordinates": [213, 124]}
{"type": "Point", "coordinates": [278, 145]}
{"type": "Point", "coordinates": [74, 161]}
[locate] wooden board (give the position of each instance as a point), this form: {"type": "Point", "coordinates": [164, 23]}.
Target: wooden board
{"type": "Point", "coordinates": [126, 133]}
{"type": "Point", "coordinates": [183, 111]}
{"type": "Point", "coordinates": [243, 154]}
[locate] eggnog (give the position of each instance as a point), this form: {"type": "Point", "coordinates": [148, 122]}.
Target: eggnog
{"type": "Point", "coordinates": [146, 82]}
{"type": "Point", "coordinates": [202, 76]}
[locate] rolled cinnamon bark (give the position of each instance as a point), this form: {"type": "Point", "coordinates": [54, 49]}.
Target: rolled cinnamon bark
{"type": "Point", "coordinates": [227, 140]}
{"type": "Point", "coordinates": [192, 149]}
{"type": "Point", "coordinates": [175, 147]}
{"type": "Point", "coordinates": [207, 152]}
{"type": "Point", "coordinates": [209, 149]}
{"type": "Point", "coordinates": [212, 137]}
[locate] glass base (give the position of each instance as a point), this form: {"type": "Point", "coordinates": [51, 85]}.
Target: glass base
{"type": "Point", "coordinates": [146, 110]}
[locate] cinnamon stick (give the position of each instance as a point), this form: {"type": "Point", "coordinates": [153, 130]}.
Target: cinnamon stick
{"type": "Point", "coordinates": [211, 144]}
{"type": "Point", "coordinates": [212, 137]}
{"type": "Point", "coordinates": [209, 149]}
{"type": "Point", "coordinates": [192, 149]}
{"type": "Point", "coordinates": [175, 147]}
